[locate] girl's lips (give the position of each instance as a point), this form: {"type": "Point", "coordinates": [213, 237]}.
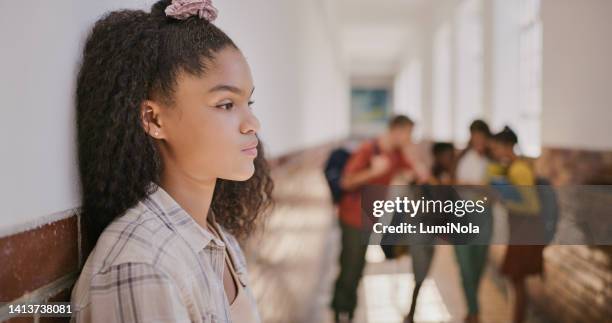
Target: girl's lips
{"type": "Point", "coordinates": [250, 151]}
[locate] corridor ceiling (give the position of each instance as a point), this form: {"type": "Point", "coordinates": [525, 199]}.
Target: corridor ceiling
{"type": "Point", "coordinates": [374, 35]}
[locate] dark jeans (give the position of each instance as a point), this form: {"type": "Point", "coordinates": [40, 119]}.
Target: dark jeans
{"type": "Point", "coordinates": [352, 262]}
{"type": "Point", "coordinates": [472, 261]}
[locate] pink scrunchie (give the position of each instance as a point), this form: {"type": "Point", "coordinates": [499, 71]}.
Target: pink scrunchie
{"type": "Point", "coordinates": [183, 9]}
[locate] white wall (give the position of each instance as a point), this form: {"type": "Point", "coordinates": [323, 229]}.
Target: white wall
{"type": "Point", "coordinates": [301, 92]}
{"type": "Point", "coordinates": [408, 91]}
{"type": "Point", "coordinates": [469, 73]}
{"type": "Point", "coordinates": [577, 74]}
{"type": "Point", "coordinates": [267, 37]}
{"type": "Point", "coordinates": [41, 43]}
{"type": "Point", "coordinates": [41, 46]}
{"type": "Point", "coordinates": [505, 55]}
{"type": "Point", "coordinates": [324, 82]}
{"type": "Point", "coordinates": [443, 69]}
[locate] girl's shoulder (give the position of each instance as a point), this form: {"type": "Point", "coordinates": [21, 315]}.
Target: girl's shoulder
{"type": "Point", "coordinates": [129, 238]}
{"type": "Point", "coordinates": [138, 236]}
{"type": "Point", "coordinates": [520, 165]}
{"type": "Point", "coordinates": [521, 172]}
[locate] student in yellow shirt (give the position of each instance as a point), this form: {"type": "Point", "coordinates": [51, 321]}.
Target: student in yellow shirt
{"type": "Point", "coordinates": [520, 261]}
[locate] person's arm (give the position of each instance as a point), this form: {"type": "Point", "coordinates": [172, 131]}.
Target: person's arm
{"type": "Point", "coordinates": [523, 180]}
{"type": "Point", "coordinates": [362, 167]}
{"type": "Point", "coordinates": [133, 292]}
{"type": "Point", "coordinates": [353, 181]}
{"type": "Point", "coordinates": [413, 165]}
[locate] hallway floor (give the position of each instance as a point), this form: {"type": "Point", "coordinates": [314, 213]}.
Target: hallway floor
{"type": "Point", "coordinates": [293, 264]}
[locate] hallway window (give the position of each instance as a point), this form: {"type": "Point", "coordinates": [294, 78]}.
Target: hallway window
{"type": "Point", "coordinates": [442, 111]}
{"type": "Point", "coordinates": [530, 77]}
{"type": "Point", "coordinates": [469, 82]}
{"type": "Point", "coordinates": [407, 94]}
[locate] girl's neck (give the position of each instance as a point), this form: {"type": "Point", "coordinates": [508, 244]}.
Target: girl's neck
{"type": "Point", "coordinates": [194, 196]}
{"type": "Point", "coordinates": [508, 159]}
{"type": "Point", "coordinates": [481, 152]}
{"type": "Point", "coordinates": [512, 157]}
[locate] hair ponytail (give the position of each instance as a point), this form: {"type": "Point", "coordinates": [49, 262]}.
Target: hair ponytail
{"type": "Point", "coordinates": [119, 62]}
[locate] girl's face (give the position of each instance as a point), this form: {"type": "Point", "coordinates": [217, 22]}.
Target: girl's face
{"type": "Point", "coordinates": [479, 142]}
{"type": "Point", "coordinates": [210, 130]}
{"type": "Point", "coordinates": [446, 159]}
{"type": "Point", "coordinates": [501, 152]}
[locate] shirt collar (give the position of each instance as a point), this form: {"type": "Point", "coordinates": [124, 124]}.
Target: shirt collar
{"type": "Point", "coordinates": [162, 204]}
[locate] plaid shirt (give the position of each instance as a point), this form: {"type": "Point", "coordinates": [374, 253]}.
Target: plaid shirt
{"type": "Point", "coordinates": [156, 264]}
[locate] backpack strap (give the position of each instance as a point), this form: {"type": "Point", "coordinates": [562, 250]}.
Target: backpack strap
{"type": "Point", "coordinates": [375, 148]}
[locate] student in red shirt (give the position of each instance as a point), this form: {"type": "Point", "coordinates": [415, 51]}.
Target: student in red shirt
{"type": "Point", "coordinates": [375, 162]}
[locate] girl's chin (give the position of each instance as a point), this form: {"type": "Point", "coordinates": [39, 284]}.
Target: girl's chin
{"type": "Point", "coordinates": [243, 174]}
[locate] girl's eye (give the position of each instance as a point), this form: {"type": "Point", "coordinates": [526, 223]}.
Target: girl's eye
{"type": "Point", "coordinates": [251, 103]}
{"type": "Point", "coordinates": [226, 106]}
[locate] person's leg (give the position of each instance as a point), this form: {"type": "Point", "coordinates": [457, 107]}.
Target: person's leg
{"type": "Point", "coordinates": [415, 294]}
{"type": "Point", "coordinates": [422, 256]}
{"type": "Point", "coordinates": [469, 279]}
{"type": "Point", "coordinates": [352, 262]}
{"type": "Point", "coordinates": [520, 299]}
{"type": "Point", "coordinates": [476, 255]}
{"type": "Point", "coordinates": [479, 257]}
{"type": "Point", "coordinates": [479, 254]}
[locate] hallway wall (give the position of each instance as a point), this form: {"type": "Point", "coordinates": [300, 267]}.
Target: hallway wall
{"type": "Point", "coordinates": [577, 101]}
{"type": "Point", "coordinates": [577, 286]}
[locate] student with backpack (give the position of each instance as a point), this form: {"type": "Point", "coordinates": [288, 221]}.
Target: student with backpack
{"type": "Point", "coordinates": [524, 215]}
{"type": "Point", "coordinates": [375, 162]}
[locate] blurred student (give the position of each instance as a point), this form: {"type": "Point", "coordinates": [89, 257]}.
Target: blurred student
{"type": "Point", "coordinates": [420, 159]}
{"type": "Point", "coordinates": [520, 261]}
{"type": "Point", "coordinates": [422, 252]}
{"type": "Point", "coordinates": [472, 170]}
{"type": "Point", "coordinates": [374, 162]}
{"type": "Point", "coordinates": [475, 159]}
{"type": "Point", "coordinates": [442, 170]}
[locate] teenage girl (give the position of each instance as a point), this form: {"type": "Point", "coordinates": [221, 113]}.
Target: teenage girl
{"type": "Point", "coordinates": [171, 168]}
{"type": "Point", "coordinates": [520, 261]}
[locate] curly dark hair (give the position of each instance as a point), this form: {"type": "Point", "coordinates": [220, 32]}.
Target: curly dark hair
{"type": "Point", "coordinates": [507, 136]}
{"type": "Point", "coordinates": [130, 56]}
{"type": "Point", "coordinates": [480, 126]}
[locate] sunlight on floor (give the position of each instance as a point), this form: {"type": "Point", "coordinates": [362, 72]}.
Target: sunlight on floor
{"type": "Point", "coordinates": [388, 299]}
{"type": "Point", "coordinates": [374, 254]}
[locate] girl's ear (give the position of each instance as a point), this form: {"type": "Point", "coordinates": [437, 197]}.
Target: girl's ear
{"type": "Point", "coordinates": [150, 119]}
